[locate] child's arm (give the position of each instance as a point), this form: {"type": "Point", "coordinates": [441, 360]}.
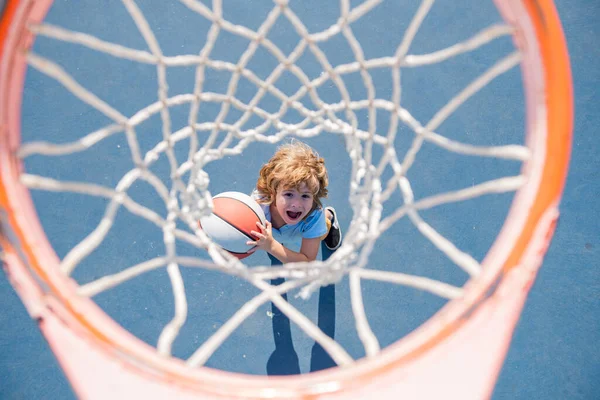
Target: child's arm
{"type": "Point", "coordinates": [266, 242]}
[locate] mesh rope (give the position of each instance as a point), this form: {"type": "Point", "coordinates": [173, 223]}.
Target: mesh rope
{"type": "Point", "coordinates": [186, 196]}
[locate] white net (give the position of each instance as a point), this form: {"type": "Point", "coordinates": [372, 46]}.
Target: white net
{"type": "Point", "coordinates": [379, 174]}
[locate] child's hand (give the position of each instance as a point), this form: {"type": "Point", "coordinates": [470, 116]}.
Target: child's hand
{"type": "Point", "coordinates": [264, 238]}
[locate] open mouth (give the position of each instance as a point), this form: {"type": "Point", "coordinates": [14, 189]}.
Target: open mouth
{"type": "Point", "coordinates": [293, 215]}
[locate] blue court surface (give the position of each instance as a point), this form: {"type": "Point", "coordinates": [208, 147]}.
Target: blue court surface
{"type": "Point", "coordinates": [554, 353]}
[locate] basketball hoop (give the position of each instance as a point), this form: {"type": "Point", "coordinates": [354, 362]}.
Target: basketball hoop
{"type": "Point", "coordinates": [457, 352]}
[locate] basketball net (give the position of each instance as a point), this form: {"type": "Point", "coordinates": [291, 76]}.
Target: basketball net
{"type": "Point", "coordinates": [474, 328]}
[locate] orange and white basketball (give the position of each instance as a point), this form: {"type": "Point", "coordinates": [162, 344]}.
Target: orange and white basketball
{"type": "Point", "coordinates": [234, 215]}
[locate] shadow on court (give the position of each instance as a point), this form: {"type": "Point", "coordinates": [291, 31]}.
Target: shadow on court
{"type": "Point", "coordinates": [284, 360]}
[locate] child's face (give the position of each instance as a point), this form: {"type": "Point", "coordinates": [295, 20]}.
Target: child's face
{"type": "Point", "coordinates": [293, 204]}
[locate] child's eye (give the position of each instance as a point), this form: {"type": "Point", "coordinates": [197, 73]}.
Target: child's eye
{"type": "Point", "coordinates": [288, 194]}
{"type": "Point", "coordinates": [306, 196]}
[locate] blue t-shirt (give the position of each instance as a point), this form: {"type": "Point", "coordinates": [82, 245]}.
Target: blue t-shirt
{"type": "Point", "coordinates": [313, 226]}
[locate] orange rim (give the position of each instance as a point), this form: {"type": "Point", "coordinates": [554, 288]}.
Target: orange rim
{"type": "Point", "coordinates": [559, 120]}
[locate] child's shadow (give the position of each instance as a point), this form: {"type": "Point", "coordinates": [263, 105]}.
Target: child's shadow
{"type": "Point", "coordinates": [284, 360]}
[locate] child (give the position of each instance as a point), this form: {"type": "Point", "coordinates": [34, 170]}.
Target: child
{"type": "Point", "coordinates": [289, 189]}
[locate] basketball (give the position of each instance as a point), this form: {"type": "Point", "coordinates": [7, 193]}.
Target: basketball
{"type": "Point", "coordinates": [234, 215]}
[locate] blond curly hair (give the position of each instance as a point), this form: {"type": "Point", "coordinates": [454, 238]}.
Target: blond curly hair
{"type": "Point", "coordinates": [291, 165]}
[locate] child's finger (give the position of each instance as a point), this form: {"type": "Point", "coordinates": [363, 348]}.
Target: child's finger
{"type": "Point", "coordinates": [257, 234]}
{"type": "Point", "coordinates": [268, 227]}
